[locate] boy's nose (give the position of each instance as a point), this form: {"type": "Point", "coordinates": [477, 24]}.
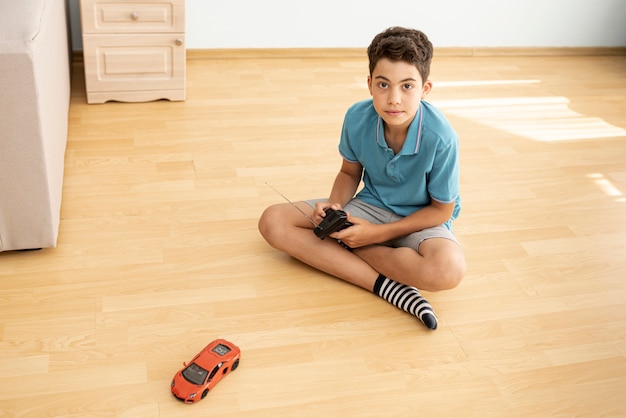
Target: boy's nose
{"type": "Point", "coordinates": [394, 97]}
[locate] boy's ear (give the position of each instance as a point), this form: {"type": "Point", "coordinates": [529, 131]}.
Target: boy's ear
{"type": "Point", "coordinates": [369, 83]}
{"type": "Point", "coordinates": [428, 85]}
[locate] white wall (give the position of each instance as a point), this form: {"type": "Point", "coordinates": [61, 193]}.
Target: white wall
{"type": "Point", "coordinates": [215, 24]}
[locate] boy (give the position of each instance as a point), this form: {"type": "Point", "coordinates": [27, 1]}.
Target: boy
{"type": "Point", "coordinates": [406, 153]}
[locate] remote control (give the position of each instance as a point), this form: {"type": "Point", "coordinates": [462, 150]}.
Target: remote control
{"type": "Point", "coordinates": [335, 220]}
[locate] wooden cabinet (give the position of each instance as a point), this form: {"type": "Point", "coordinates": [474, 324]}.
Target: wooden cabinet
{"type": "Point", "coordinates": [134, 51]}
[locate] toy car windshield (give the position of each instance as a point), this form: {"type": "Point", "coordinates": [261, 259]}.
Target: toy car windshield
{"type": "Point", "coordinates": [195, 374]}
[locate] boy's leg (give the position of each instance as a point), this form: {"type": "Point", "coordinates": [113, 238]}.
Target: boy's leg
{"type": "Point", "coordinates": [438, 265]}
{"type": "Point", "coordinates": [430, 259]}
{"type": "Point", "coordinates": [286, 229]}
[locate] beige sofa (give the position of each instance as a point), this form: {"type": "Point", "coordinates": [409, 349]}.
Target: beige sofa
{"type": "Point", "coordinates": [34, 103]}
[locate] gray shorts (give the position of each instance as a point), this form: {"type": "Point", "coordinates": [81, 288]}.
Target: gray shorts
{"type": "Point", "coordinates": [376, 215]}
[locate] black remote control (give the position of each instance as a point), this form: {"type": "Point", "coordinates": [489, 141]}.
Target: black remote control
{"type": "Point", "coordinates": [335, 220]}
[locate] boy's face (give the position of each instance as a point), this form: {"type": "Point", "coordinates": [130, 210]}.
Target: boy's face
{"type": "Point", "coordinates": [397, 89]}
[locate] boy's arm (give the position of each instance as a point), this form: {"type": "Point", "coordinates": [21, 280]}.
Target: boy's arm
{"type": "Point", "coordinates": [365, 233]}
{"type": "Point", "coordinates": [432, 215]}
{"type": "Point", "coordinates": [346, 183]}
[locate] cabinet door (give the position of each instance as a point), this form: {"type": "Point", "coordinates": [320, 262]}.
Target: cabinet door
{"type": "Point", "coordinates": [134, 63]}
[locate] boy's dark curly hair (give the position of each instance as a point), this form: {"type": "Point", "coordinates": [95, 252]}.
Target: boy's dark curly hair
{"type": "Point", "coordinates": [402, 44]}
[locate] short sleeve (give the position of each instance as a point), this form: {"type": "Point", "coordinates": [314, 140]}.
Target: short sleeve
{"type": "Point", "coordinates": [443, 185]}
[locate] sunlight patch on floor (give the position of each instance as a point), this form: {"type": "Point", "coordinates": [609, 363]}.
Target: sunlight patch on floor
{"type": "Point", "coordinates": [607, 186]}
{"type": "Point", "coordinates": [547, 119]}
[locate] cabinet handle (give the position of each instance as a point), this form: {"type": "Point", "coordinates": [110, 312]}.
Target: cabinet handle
{"type": "Point", "coordinates": [134, 15]}
{"type": "Point", "coordinates": [178, 41]}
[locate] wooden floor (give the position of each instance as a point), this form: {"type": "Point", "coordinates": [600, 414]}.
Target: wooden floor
{"type": "Point", "coordinates": [159, 254]}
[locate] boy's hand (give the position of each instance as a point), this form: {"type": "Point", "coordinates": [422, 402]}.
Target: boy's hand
{"type": "Point", "coordinates": [320, 208]}
{"type": "Point", "coordinates": [360, 234]}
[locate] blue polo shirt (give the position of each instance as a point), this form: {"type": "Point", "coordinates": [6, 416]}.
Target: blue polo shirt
{"type": "Point", "coordinates": [427, 166]}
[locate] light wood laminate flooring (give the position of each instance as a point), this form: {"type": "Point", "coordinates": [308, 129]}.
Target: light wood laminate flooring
{"type": "Point", "coordinates": [159, 253]}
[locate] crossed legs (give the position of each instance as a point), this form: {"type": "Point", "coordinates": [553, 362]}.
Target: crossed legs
{"type": "Point", "coordinates": [438, 265]}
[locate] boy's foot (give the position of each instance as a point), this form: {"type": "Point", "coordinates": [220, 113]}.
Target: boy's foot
{"type": "Point", "coordinates": [407, 298]}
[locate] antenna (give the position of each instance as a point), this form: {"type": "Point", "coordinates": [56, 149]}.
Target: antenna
{"type": "Point", "coordinates": [293, 204]}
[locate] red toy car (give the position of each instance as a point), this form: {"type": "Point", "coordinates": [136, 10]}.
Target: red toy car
{"type": "Point", "coordinates": [209, 366]}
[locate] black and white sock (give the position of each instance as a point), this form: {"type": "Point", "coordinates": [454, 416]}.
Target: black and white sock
{"type": "Point", "coordinates": [407, 298]}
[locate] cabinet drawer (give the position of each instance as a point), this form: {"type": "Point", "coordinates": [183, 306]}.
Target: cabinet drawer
{"type": "Point", "coordinates": [122, 63]}
{"type": "Point", "coordinates": [137, 16]}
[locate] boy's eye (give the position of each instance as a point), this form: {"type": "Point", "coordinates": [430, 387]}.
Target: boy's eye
{"type": "Point", "coordinates": [408, 86]}
{"type": "Point", "coordinates": [383, 85]}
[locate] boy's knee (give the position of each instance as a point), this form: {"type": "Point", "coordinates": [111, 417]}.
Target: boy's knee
{"type": "Point", "coordinates": [447, 274]}
{"type": "Point", "coordinates": [454, 273]}
{"type": "Point", "coordinates": [265, 221]}
{"type": "Point", "coordinates": [454, 276]}
{"type": "Point", "coordinates": [270, 224]}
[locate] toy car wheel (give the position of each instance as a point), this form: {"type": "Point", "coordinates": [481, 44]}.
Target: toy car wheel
{"type": "Point", "coordinates": [235, 365]}
{"type": "Point", "coordinates": [206, 391]}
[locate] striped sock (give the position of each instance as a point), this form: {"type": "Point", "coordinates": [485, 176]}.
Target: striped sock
{"type": "Point", "coordinates": [406, 298]}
